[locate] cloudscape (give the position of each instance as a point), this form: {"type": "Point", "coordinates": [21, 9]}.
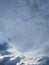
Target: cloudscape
{"type": "Point", "coordinates": [24, 32]}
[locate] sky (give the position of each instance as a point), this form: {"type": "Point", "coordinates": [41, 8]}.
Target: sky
{"type": "Point", "coordinates": [24, 26]}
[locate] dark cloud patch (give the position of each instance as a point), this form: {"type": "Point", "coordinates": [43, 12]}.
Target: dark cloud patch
{"type": "Point", "coordinates": [4, 46]}
{"type": "Point", "coordinates": [4, 49]}
{"type": "Point", "coordinates": [15, 61]}
{"type": "Point", "coordinates": [4, 60]}
{"type": "Point", "coordinates": [44, 60]}
{"type": "Point", "coordinates": [7, 61]}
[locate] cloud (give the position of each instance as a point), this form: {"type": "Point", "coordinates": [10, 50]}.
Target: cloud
{"type": "Point", "coordinates": [4, 46]}
{"type": "Point", "coordinates": [22, 64]}
{"type": "Point", "coordinates": [5, 53]}
{"type": "Point", "coordinates": [25, 23]}
{"type": "Point", "coordinates": [8, 55]}
{"type": "Point", "coordinates": [4, 49]}
{"type": "Point", "coordinates": [14, 62]}
{"type": "Point", "coordinates": [44, 60]}
{"type": "Point", "coordinates": [4, 60]}
{"type": "Point", "coordinates": [7, 61]}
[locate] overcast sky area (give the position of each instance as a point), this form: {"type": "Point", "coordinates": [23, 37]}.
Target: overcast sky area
{"type": "Point", "coordinates": [24, 25]}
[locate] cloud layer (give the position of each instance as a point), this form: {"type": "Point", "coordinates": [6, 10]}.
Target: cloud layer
{"type": "Point", "coordinates": [24, 25]}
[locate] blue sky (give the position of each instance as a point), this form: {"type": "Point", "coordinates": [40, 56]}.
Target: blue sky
{"type": "Point", "coordinates": [24, 24]}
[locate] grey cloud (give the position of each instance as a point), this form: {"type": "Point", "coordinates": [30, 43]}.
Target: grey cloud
{"type": "Point", "coordinates": [25, 22]}
{"type": "Point", "coordinates": [7, 61]}
{"type": "Point", "coordinates": [4, 46]}
{"type": "Point", "coordinates": [44, 60]}
{"type": "Point", "coordinates": [13, 62]}
{"type": "Point", "coordinates": [4, 49]}
{"type": "Point", "coordinates": [22, 64]}
{"type": "Point", "coordinates": [4, 60]}
{"type": "Point", "coordinates": [5, 53]}
{"type": "Point", "coordinates": [15, 8]}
